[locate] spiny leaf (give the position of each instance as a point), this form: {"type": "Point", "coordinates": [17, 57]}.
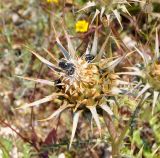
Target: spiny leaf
{"type": "Point", "coordinates": [74, 127]}
{"type": "Point", "coordinates": [107, 109]}
{"type": "Point", "coordinates": [130, 73]}
{"type": "Point", "coordinates": [147, 94]}
{"type": "Point", "coordinates": [38, 80]}
{"type": "Point", "coordinates": [143, 55]}
{"type": "Point", "coordinates": [155, 97]}
{"type": "Point", "coordinates": [63, 50]}
{"type": "Point", "coordinates": [70, 46]}
{"type": "Point", "coordinates": [111, 65]}
{"type": "Point", "coordinates": [102, 12]}
{"type": "Point", "coordinates": [132, 68]}
{"type": "Point", "coordinates": [52, 56]}
{"type": "Point", "coordinates": [88, 48]}
{"type": "Point", "coordinates": [155, 151]}
{"type": "Point", "coordinates": [116, 90]}
{"type": "Point", "coordinates": [88, 5]}
{"type": "Point", "coordinates": [156, 45]}
{"type": "Point", "coordinates": [95, 15]}
{"type": "Point", "coordinates": [43, 60]}
{"type": "Point", "coordinates": [139, 155]}
{"type": "Point", "coordinates": [56, 113]}
{"type": "Point", "coordinates": [145, 88]}
{"type": "Point", "coordinates": [95, 43]}
{"type": "Point", "coordinates": [40, 101]}
{"type": "Point", "coordinates": [99, 56]}
{"type": "Point", "coordinates": [95, 116]}
{"type": "Point", "coordinates": [124, 9]}
{"type": "Point", "coordinates": [116, 13]}
{"type": "Point", "coordinates": [120, 82]}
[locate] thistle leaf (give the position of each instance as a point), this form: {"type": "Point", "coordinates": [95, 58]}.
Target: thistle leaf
{"type": "Point", "coordinates": [56, 113]}
{"type": "Point", "coordinates": [111, 65]}
{"type": "Point", "coordinates": [107, 109]}
{"type": "Point", "coordinates": [124, 9]}
{"type": "Point", "coordinates": [155, 97]}
{"type": "Point", "coordinates": [88, 48]}
{"type": "Point", "coordinates": [120, 82]}
{"type": "Point", "coordinates": [135, 87]}
{"type": "Point", "coordinates": [67, 88]}
{"type": "Point", "coordinates": [88, 5]}
{"type": "Point", "coordinates": [46, 82]}
{"type": "Point", "coordinates": [116, 13]}
{"type": "Point", "coordinates": [95, 43]}
{"type": "Point", "coordinates": [40, 101]}
{"type": "Point", "coordinates": [95, 116]}
{"type": "Point", "coordinates": [116, 91]}
{"type": "Point", "coordinates": [145, 88]}
{"type": "Point", "coordinates": [132, 68]}
{"type": "Point", "coordinates": [130, 73]}
{"type": "Point", "coordinates": [74, 127]}
{"type": "Point", "coordinates": [102, 12]}
{"type": "Point", "coordinates": [143, 55]}
{"type": "Point", "coordinates": [155, 151]}
{"type": "Point", "coordinates": [63, 50]}
{"type": "Point", "coordinates": [95, 15]}
{"type": "Point", "coordinates": [147, 94]}
{"type": "Point", "coordinates": [43, 60]}
{"type": "Point", "coordinates": [99, 56]}
{"type": "Point", "coordinates": [140, 153]}
{"type": "Point", "coordinates": [51, 55]}
{"type": "Point", "coordinates": [156, 45]}
{"type": "Point", "coordinates": [70, 46]}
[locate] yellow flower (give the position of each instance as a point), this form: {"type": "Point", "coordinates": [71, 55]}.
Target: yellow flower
{"type": "Point", "coordinates": [81, 26]}
{"type": "Point", "coordinates": [54, 1]}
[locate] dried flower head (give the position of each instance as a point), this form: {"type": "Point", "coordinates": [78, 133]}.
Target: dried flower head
{"type": "Point", "coordinates": [81, 26]}
{"type": "Point", "coordinates": [86, 82]}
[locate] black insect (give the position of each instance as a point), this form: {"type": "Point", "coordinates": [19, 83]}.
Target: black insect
{"type": "Point", "coordinates": [18, 52]}
{"type": "Point", "coordinates": [58, 81]}
{"type": "Point", "coordinates": [89, 57]}
{"type": "Point", "coordinates": [68, 67]}
{"type": "Point", "coordinates": [137, 78]}
{"type": "Point", "coordinates": [140, 66]}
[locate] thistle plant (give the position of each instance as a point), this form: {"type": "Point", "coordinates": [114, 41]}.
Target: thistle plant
{"type": "Point", "coordinates": [86, 82]}
{"type": "Point", "coordinates": [107, 10]}
{"type": "Point", "coordinates": [86, 95]}
{"type": "Point", "coordinates": [149, 73]}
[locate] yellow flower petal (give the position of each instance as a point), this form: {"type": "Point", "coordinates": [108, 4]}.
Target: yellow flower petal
{"type": "Point", "coordinates": [82, 26]}
{"type": "Point", "coordinates": [54, 1]}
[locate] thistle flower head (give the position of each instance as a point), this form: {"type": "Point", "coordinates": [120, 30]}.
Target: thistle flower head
{"type": "Point", "coordinates": [149, 73]}
{"type": "Point", "coordinates": [110, 9]}
{"type": "Point", "coordinates": [86, 81]}
{"type": "Point", "coordinates": [152, 74]}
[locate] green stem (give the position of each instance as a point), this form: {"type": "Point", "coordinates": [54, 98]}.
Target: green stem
{"type": "Point", "coordinates": [117, 139]}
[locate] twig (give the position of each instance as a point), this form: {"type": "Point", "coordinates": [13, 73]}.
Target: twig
{"type": "Point", "coordinates": [18, 133]}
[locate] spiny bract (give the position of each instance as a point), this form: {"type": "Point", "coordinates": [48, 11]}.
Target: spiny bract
{"type": "Point", "coordinates": [86, 82]}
